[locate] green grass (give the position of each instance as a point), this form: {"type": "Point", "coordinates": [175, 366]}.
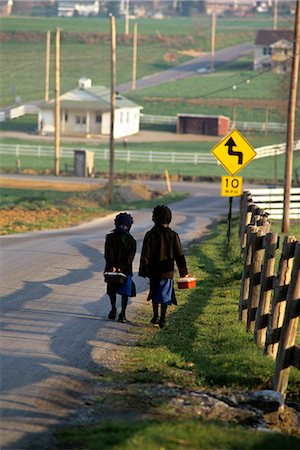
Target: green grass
{"type": "Point", "coordinates": [204, 346]}
{"type": "Point", "coordinates": [173, 435]}
{"type": "Point", "coordinates": [219, 85]}
{"type": "Point", "coordinates": [204, 334]}
{"type": "Point", "coordinates": [173, 26]}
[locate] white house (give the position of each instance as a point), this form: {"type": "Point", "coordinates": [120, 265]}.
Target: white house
{"type": "Point", "coordinates": [85, 111]}
{"type": "Point", "coordinates": [273, 49]}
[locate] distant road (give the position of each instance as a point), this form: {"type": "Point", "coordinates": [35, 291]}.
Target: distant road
{"type": "Point", "coordinates": [190, 68]}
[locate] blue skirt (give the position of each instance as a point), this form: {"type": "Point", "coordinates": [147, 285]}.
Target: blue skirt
{"type": "Point", "coordinates": [163, 292]}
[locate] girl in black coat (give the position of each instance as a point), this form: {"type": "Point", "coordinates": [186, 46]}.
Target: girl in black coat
{"type": "Point", "coordinates": [161, 248]}
{"type": "Point", "coordinates": [119, 252]}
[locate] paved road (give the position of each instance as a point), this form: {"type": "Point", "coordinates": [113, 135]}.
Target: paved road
{"type": "Point", "coordinates": [55, 335]}
{"type": "Point", "coordinates": [190, 68]}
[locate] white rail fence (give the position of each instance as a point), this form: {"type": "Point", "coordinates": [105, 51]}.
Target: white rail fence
{"type": "Point", "coordinates": [135, 155]}
{"type": "Point", "coordinates": [271, 200]}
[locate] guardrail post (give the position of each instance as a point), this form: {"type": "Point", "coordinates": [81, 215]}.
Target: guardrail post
{"type": "Point", "coordinates": [270, 245]}
{"type": "Point", "coordinates": [288, 354]}
{"type": "Point", "coordinates": [281, 285]}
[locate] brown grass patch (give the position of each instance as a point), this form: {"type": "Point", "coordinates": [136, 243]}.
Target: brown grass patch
{"type": "Point", "coordinates": [49, 185]}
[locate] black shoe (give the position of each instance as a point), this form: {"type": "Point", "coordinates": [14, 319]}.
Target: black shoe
{"type": "Point", "coordinates": [112, 314]}
{"type": "Point", "coordinates": [122, 318]}
{"type": "Point", "coordinates": [162, 323]}
{"type": "Point", "coordinates": [154, 320]}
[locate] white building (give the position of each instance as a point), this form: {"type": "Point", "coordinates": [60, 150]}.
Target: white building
{"type": "Point", "coordinates": [85, 111]}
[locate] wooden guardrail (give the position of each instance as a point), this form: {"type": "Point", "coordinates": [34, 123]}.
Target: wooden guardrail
{"type": "Point", "coordinates": [270, 301]}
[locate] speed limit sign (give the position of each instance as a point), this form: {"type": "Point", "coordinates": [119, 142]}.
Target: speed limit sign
{"type": "Point", "coordinates": [231, 186]}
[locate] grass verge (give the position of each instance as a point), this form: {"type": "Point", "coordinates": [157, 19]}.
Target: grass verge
{"type": "Point", "coordinates": [204, 346]}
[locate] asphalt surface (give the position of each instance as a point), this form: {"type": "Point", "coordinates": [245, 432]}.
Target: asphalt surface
{"type": "Point", "coordinates": [54, 307]}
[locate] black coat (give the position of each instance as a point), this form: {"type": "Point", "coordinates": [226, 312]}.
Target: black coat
{"type": "Point", "coordinates": [119, 252]}
{"type": "Point", "coordinates": [161, 248]}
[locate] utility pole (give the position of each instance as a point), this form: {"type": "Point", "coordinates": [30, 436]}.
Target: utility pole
{"type": "Point", "coordinates": [47, 67]}
{"type": "Point", "coordinates": [291, 123]}
{"type": "Point", "coordinates": [126, 17]}
{"type": "Point", "coordinates": [275, 18]}
{"type": "Point", "coordinates": [112, 109]}
{"type": "Point", "coordinates": [213, 40]}
{"type": "Point", "coordinates": [57, 100]}
{"type": "Point", "coordinates": [134, 59]}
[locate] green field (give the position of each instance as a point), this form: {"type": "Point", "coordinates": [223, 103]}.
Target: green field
{"type": "Point", "coordinates": [161, 45]}
{"type": "Point", "coordinates": [168, 26]}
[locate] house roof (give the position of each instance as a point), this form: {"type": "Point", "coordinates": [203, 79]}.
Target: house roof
{"type": "Point", "coordinates": [269, 37]}
{"type": "Point", "coordinates": [94, 98]}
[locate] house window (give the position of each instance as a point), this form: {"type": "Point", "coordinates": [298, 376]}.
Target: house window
{"type": "Point", "coordinates": [80, 120]}
{"type": "Point", "coordinates": [66, 116]}
{"type": "Point", "coordinates": [267, 51]}
{"type": "Point", "coordinates": [127, 117]}
{"type": "Point", "coordinates": [98, 117]}
{"type": "Point", "coordinates": [121, 116]}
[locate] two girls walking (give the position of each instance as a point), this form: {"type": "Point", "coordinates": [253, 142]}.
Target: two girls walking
{"type": "Point", "coordinates": [160, 250]}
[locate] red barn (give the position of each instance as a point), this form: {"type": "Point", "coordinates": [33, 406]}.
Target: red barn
{"type": "Point", "coordinates": [202, 124]}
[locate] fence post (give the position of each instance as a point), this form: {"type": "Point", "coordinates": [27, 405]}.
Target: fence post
{"type": "Point", "coordinates": [270, 245]}
{"type": "Point", "coordinates": [244, 294]}
{"type": "Point", "coordinates": [255, 273]}
{"type": "Point", "coordinates": [281, 284]}
{"type": "Point", "coordinates": [288, 354]}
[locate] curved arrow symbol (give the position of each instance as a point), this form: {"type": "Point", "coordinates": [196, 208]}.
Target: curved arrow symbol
{"type": "Point", "coordinates": [230, 144]}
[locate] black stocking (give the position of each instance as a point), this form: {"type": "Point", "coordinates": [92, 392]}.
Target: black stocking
{"type": "Point", "coordinates": [124, 304]}
{"type": "Point", "coordinates": [163, 312]}
{"type": "Point", "coordinates": [155, 310]}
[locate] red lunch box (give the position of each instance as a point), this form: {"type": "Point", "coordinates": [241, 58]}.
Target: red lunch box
{"type": "Point", "coordinates": [186, 283]}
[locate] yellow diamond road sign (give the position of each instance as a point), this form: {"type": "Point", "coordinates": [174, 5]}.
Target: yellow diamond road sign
{"type": "Point", "coordinates": [234, 152]}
